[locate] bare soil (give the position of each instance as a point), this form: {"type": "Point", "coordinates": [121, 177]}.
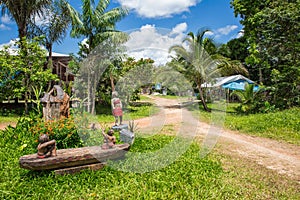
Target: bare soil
{"type": "Point", "coordinates": [278, 156]}
{"type": "Point", "coordinates": [4, 125]}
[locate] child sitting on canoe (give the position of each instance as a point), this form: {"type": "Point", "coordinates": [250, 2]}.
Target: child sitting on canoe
{"type": "Point", "coordinates": [109, 139]}
{"type": "Point", "coordinates": [46, 148]}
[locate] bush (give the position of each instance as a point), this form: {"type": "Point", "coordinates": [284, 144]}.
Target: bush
{"type": "Point", "coordinates": [28, 129]}
{"type": "Point", "coordinates": [64, 131]}
{"type": "Point", "coordinates": [254, 102]}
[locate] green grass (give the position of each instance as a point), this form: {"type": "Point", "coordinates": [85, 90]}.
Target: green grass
{"type": "Point", "coordinates": [145, 98]}
{"type": "Point", "coordinates": [131, 112]}
{"type": "Point", "coordinates": [281, 125]}
{"type": "Point", "coordinates": [217, 176]}
{"type": "Point", "coordinates": [9, 119]}
{"type": "Point", "coordinates": [189, 177]}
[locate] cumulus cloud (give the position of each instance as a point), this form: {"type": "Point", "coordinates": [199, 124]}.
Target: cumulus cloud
{"type": "Point", "coordinates": [179, 28]}
{"type": "Point", "coordinates": [154, 43]}
{"type": "Point", "coordinates": [226, 30]}
{"type": "Point", "coordinates": [5, 19]}
{"type": "Point", "coordinates": [163, 8]}
{"type": "Point", "coordinates": [10, 43]}
{"type": "Point", "coordinates": [12, 46]}
{"type": "Point", "coordinates": [4, 27]}
{"type": "Point", "coordinates": [222, 31]}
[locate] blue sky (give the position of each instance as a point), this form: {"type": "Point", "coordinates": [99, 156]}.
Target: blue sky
{"type": "Point", "coordinates": [157, 16]}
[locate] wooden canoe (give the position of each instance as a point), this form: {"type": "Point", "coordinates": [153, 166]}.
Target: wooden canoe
{"type": "Point", "coordinates": [73, 157]}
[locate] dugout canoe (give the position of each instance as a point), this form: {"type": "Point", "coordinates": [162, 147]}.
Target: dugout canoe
{"type": "Point", "coordinates": [74, 157]}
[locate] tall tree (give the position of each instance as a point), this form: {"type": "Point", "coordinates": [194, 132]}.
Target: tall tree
{"type": "Point", "coordinates": [54, 24]}
{"type": "Point", "coordinates": [272, 29]}
{"type": "Point", "coordinates": [197, 64]}
{"type": "Point", "coordinates": [22, 11]}
{"type": "Point", "coordinates": [25, 71]}
{"type": "Point", "coordinates": [96, 24]}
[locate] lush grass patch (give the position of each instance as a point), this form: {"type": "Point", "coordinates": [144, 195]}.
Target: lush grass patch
{"type": "Point", "coordinates": [145, 98]}
{"type": "Point", "coordinates": [281, 125]}
{"type": "Point", "coordinates": [9, 119]}
{"type": "Point", "coordinates": [217, 176]}
{"type": "Point", "coordinates": [189, 177]}
{"type": "Point", "coordinates": [133, 111]}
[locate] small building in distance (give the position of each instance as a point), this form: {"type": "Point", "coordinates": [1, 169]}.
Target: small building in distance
{"type": "Point", "coordinates": [60, 67]}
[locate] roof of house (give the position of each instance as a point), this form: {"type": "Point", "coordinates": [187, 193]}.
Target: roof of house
{"type": "Point", "coordinates": [217, 82]}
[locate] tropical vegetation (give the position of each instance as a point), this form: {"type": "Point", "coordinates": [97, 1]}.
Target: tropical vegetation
{"type": "Point", "coordinates": [96, 24]}
{"type": "Point", "coordinates": [190, 177]}
{"type": "Point", "coordinates": [268, 52]}
{"type": "Point", "coordinates": [271, 29]}
{"type": "Point", "coordinates": [23, 71]}
{"type": "Point", "coordinates": [22, 12]}
{"type": "Point", "coordinates": [198, 65]}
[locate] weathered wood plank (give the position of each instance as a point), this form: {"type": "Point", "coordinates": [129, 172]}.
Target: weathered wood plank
{"type": "Point", "coordinates": [73, 170]}
{"type": "Point", "coordinates": [73, 157]}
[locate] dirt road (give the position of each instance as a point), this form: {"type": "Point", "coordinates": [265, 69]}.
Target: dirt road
{"type": "Point", "coordinates": [278, 156]}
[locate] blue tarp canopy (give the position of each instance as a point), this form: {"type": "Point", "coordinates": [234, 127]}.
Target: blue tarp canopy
{"type": "Point", "coordinates": [238, 85]}
{"type": "Point", "coordinates": [235, 82]}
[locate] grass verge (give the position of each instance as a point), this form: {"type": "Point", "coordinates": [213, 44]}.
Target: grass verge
{"type": "Point", "coordinates": [189, 177]}
{"type": "Point", "coordinates": [281, 125]}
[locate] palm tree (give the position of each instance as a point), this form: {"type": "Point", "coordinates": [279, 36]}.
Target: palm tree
{"type": "Point", "coordinates": [197, 64]}
{"type": "Point", "coordinates": [22, 11]}
{"type": "Point", "coordinates": [246, 96]}
{"type": "Point", "coordinates": [54, 27]}
{"type": "Point", "coordinates": [95, 23]}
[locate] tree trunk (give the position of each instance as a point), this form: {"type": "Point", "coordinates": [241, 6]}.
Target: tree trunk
{"type": "Point", "coordinates": [260, 75]}
{"type": "Point", "coordinates": [26, 102]}
{"type": "Point", "coordinates": [49, 64]}
{"type": "Point", "coordinates": [89, 93]}
{"type": "Point", "coordinates": [112, 82]}
{"type": "Point", "coordinates": [94, 94]}
{"type": "Point", "coordinates": [203, 100]}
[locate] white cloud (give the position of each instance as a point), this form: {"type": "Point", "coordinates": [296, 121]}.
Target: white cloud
{"type": "Point", "coordinates": [209, 33]}
{"type": "Point", "coordinates": [154, 43]}
{"type": "Point", "coordinates": [4, 27]}
{"type": "Point", "coordinates": [222, 31]}
{"type": "Point", "coordinates": [158, 8]}
{"type": "Point", "coordinates": [43, 19]}
{"type": "Point", "coordinates": [227, 29]}
{"type": "Point", "coordinates": [179, 28]}
{"type": "Point", "coordinates": [12, 46]}
{"type": "Point", "coordinates": [5, 19]}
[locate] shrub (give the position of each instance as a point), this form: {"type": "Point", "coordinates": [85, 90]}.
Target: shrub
{"type": "Point", "coordinates": [64, 131]}
{"type": "Point", "coordinates": [28, 129]}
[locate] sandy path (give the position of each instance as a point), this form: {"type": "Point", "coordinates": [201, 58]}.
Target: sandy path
{"type": "Point", "coordinates": [4, 125]}
{"type": "Point", "coordinates": [282, 157]}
